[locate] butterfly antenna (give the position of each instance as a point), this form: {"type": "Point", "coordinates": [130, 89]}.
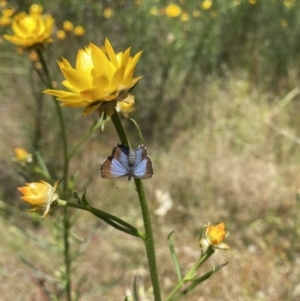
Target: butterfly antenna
{"type": "Point", "coordinates": [122, 184]}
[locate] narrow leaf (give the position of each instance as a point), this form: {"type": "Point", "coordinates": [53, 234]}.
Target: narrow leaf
{"type": "Point", "coordinates": [135, 289]}
{"type": "Point", "coordinates": [106, 217]}
{"type": "Point", "coordinates": [138, 130]}
{"type": "Point", "coordinates": [84, 200]}
{"type": "Point", "coordinates": [174, 257]}
{"type": "Point", "coordinates": [197, 281]}
{"type": "Point", "coordinates": [42, 165]}
{"type": "Point", "coordinates": [98, 124]}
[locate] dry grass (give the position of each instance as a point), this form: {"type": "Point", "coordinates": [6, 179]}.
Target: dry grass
{"type": "Point", "coordinates": [234, 168]}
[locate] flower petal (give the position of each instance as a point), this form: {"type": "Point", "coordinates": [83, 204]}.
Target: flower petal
{"type": "Point", "coordinates": [117, 78]}
{"type": "Point", "coordinates": [93, 94]}
{"type": "Point", "coordinates": [101, 64]}
{"type": "Point", "coordinates": [101, 82]}
{"type": "Point", "coordinates": [111, 53]}
{"type": "Point", "coordinates": [76, 79]}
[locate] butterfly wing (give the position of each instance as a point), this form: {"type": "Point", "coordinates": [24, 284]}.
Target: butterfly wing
{"type": "Point", "coordinates": [143, 168]}
{"type": "Point", "coordinates": [121, 153]}
{"type": "Point", "coordinates": [116, 165]}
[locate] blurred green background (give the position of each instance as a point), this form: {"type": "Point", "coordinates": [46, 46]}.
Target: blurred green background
{"type": "Point", "coordinates": [219, 107]}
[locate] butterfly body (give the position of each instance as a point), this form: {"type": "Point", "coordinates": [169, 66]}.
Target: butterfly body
{"type": "Point", "coordinates": [125, 162]}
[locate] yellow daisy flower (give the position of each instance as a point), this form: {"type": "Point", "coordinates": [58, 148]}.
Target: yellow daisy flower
{"type": "Point", "coordinates": [31, 30]}
{"type": "Point", "coordinates": [215, 236]}
{"type": "Point", "coordinates": [22, 156]}
{"type": "Point", "coordinates": [68, 26]}
{"type": "Point", "coordinates": [79, 31]}
{"type": "Point", "coordinates": [39, 195]}
{"type": "Point", "coordinates": [98, 81]}
{"type": "Point", "coordinates": [173, 10]}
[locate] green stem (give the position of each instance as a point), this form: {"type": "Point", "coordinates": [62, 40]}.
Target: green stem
{"type": "Point", "coordinates": [195, 282]}
{"type": "Point", "coordinates": [210, 250]}
{"type": "Point", "coordinates": [191, 272]}
{"type": "Point", "coordinates": [66, 222]}
{"type": "Point", "coordinates": [149, 242]}
{"type": "Point", "coordinates": [119, 128]}
{"type": "Point", "coordinates": [61, 124]}
{"type": "Point", "coordinates": [39, 105]}
{"type": "Point", "coordinates": [38, 124]}
{"type": "Point", "coordinates": [67, 255]}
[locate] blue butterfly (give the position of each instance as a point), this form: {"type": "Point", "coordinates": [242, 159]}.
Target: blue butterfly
{"type": "Point", "coordinates": [125, 162]}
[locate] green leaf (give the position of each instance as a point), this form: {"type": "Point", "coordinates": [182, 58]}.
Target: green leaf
{"type": "Point", "coordinates": [42, 165]}
{"type": "Point", "coordinates": [110, 219]}
{"type": "Point", "coordinates": [174, 257]}
{"type": "Point", "coordinates": [81, 200]}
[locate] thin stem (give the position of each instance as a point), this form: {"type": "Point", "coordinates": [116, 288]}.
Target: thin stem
{"type": "Point", "coordinates": [39, 108]}
{"type": "Point", "coordinates": [149, 242]}
{"type": "Point", "coordinates": [191, 273]}
{"type": "Point", "coordinates": [38, 124]}
{"type": "Point", "coordinates": [210, 250]}
{"type": "Point", "coordinates": [85, 137]}
{"type": "Point", "coordinates": [66, 222]}
{"type": "Point", "coordinates": [61, 124]}
{"type": "Point", "coordinates": [67, 255]}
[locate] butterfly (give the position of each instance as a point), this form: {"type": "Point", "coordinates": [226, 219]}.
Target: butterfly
{"type": "Point", "coordinates": [125, 162]}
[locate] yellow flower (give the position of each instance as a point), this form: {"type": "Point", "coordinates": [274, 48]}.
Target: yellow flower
{"type": "Point", "coordinates": [33, 56]}
{"type": "Point", "coordinates": [184, 17]}
{"type": "Point", "coordinates": [5, 21]}
{"type": "Point", "coordinates": [39, 195]}
{"type": "Point", "coordinates": [98, 80]}
{"type": "Point", "coordinates": [215, 236]}
{"type": "Point", "coordinates": [108, 12]}
{"type": "Point", "coordinates": [196, 13]}
{"type": "Point", "coordinates": [31, 29]}
{"type": "Point", "coordinates": [36, 9]}
{"type": "Point", "coordinates": [22, 156]}
{"type": "Point", "coordinates": [173, 10]}
{"type": "Point", "coordinates": [68, 26]}
{"type": "Point", "coordinates": [79, 31]}
{"type": "Point", "coordinates": [289, 3]}
{"type": "Point", "coordinates": [206, 4]}
{"type": "Point", "coordinates": [125, 108]}
{"type": "Point", "coordinates": [8, 12]}
{"type": "Point", "coordinates": [154, 11]}
{"type": "Point", "coordinates": [61, 35]}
